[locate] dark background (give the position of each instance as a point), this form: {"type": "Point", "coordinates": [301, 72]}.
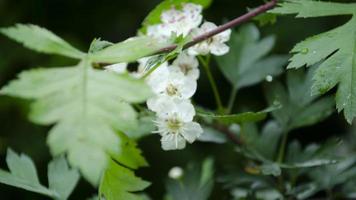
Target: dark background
{"type": "Point", "coordinates": [79, 21]}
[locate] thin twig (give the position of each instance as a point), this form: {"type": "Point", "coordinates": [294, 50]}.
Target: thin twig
{"type": "Point", "coordinates": [232, 136]}
{"type": "Point", "coordinates": [206, 66]}
{"type": "Point", "coordinates": [237, 21]}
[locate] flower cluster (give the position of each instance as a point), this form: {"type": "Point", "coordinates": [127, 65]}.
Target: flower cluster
{"type": "Point", "coordinates": [174, 84]}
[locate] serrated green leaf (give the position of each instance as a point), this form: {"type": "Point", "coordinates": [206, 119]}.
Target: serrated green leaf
{"type": "Point", "coordinates": [314, 113]}
{"type": "Point", "coordinates": [23, 174]}
{"type": "Point", "coordinates": [246, 64]}
{"type": "Point", "coordinates": [270, 134]}
{"type": "Point", "coordinates": [62, 179]}
{"type": "Point", "coordinates": [154, 17]}
{"type": "Point", "coordinates": [197, 182]}
{"type": "Point", "coordinates": [299, 107]}
{"type": "Point", "coordinates": [130, 156]}
{"type": "Point", "coordinates": [312, 155]}
{"type": "Point", "coordinates": [119, 183]}
{"type": "Point", "coordinates": [242, 117]}
{"type": "Point", "coordinates": [129, 50]}
{"type": "Point", "coordinates": [336, 48]}
{"type": "Point", "coordinates": [266, 18]}
{"type": "Point", "coordinates": [332, 175]}
{"type": "Point", "coordinates": [21, 166]}
{"type": "Point", "coordinates": [271, 169]}
{"type": "Point", "coordinates": [87, 106]}
{"type": "Point", "coordinates": [41, 40]}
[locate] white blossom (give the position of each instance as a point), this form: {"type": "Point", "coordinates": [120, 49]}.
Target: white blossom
{"type": "Point", "coordinates": [119, 68]}
{"type": "Point", "coordinates": [177, 21]}
{"type": "Point", "coordinates": [175, 124]}
{"type": "Point", "coordinates": [186, 64]}
{"type": "Point", "coordinates": [172, 84]}
{"type": "Point", "coordinates": [215, 45]}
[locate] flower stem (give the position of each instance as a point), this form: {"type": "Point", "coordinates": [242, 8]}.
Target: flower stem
{"type": "Point", "coordinates": [206, 66]}
{"type": "Point", "coordinates": [152, 69]}
{"type": "Point", "coordinates": [282, 147]}
{"type": "Point", "coordinates": [231, 100]}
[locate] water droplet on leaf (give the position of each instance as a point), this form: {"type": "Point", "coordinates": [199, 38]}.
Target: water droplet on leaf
{"type": "Point", "coordinates": [304, 51]}
{"type": "Point", "coordinates": [175, 173]}
{"type": "Point", "coordinates": [269, 78]}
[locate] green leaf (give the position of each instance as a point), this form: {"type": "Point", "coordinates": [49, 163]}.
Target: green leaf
{"type": "Point", "coordinates": [119, 183]}
{"type": "Point", "coordinates": [299, 107]}
{"type": "Point", "coordinates": [62, 179]}
{"type": "Point", "coordinates": [211, 135]}
{"type": "Point", "coordinates": [250, 186]}
{"type": "Point", "coordinates": [138, 47]}
{"type": "Point", "coordinates": [271, 169]}
{"type": "Point", "coordinates": [88, 107]}
{"type": "Point", "coordinates": [270, 134]}
{"type": "Point", "coordinates": [304, 191]}
{"type": "Point", "coordinates": [130, 156]}
{"type": "Point", "coordinates": [335, 48]}
{"type": "Point", "coordinates": [154, 17]}
{"type": "Point", "coordinates": [197, 182]}
{"type": "Point", "coordinates": [312, 155]}
{"type": "Point", "coordinates": [332, 175]}
{"type": "Point", "coordinates": [97, 45]}
{"type": "Point", "coordinates": [242, 117]}
{"type": "Point", "coordinates": [314, 113]}
{"type": "Point", "coordinates": [23, 174]}
{"type": "Point", "coordinates": [145, 126]}
{"type": "Point", "coordinates": [246, 64]}
{"type": "Point", "coordinates": [41, 40]}
{"type": "Point", "coordinates": [266, 18]}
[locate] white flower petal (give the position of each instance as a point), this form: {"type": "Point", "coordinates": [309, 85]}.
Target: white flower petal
{"type": "Point", "coordinates": [172, 142]}
{"type": "Point", "coordinates": [207, 26]}
{"type": "Point", "coordinates": [191, 131]}
{"type": "Point", "coordinates": [214, 45]}
{"type": "Point", "coordinates": [119, 68]}
{"type": "Point", "coordinates": [187, 64]}
{"type": "Point", "coordinates": [220, 49]}
{"type": "Point", "coordinates": [189, 88]}
{"type": "Point", "coordinates": [224, 36]}
{"type": "Point", "coordinates": [185, 110]}
{"type": "Point", "coordinates": [180, 22]}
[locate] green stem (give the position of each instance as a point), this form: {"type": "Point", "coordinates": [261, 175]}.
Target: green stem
{"type": "Point", "coordinates": [151, 70]}
{"type": "Point", "coordinates": [206, 67]}
{"type": "Point", "coordinates": [282, 147]}
{"type": "Point", "coordinates": [231, 100]}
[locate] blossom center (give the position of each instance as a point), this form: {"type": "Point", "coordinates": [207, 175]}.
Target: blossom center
{"type": "Point", "coordinates": [174, 125]}
{"type": "Point", "coordinates": [171, 90]}
{"type": "Point", "coordinates": [210, 40]}
{"type": "Point", "coordinates": [185, 68]}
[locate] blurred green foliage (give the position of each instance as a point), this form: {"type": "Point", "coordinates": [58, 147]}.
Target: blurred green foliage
{"type": "Point", "coordinates": [79, 21]}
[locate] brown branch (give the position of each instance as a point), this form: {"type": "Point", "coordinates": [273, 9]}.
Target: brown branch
{"type": "Point", "coordinates": [235, 22]}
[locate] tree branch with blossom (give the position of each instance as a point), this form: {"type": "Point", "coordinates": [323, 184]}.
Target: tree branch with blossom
{"type": "Point", "coordinates": [235, 22]}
